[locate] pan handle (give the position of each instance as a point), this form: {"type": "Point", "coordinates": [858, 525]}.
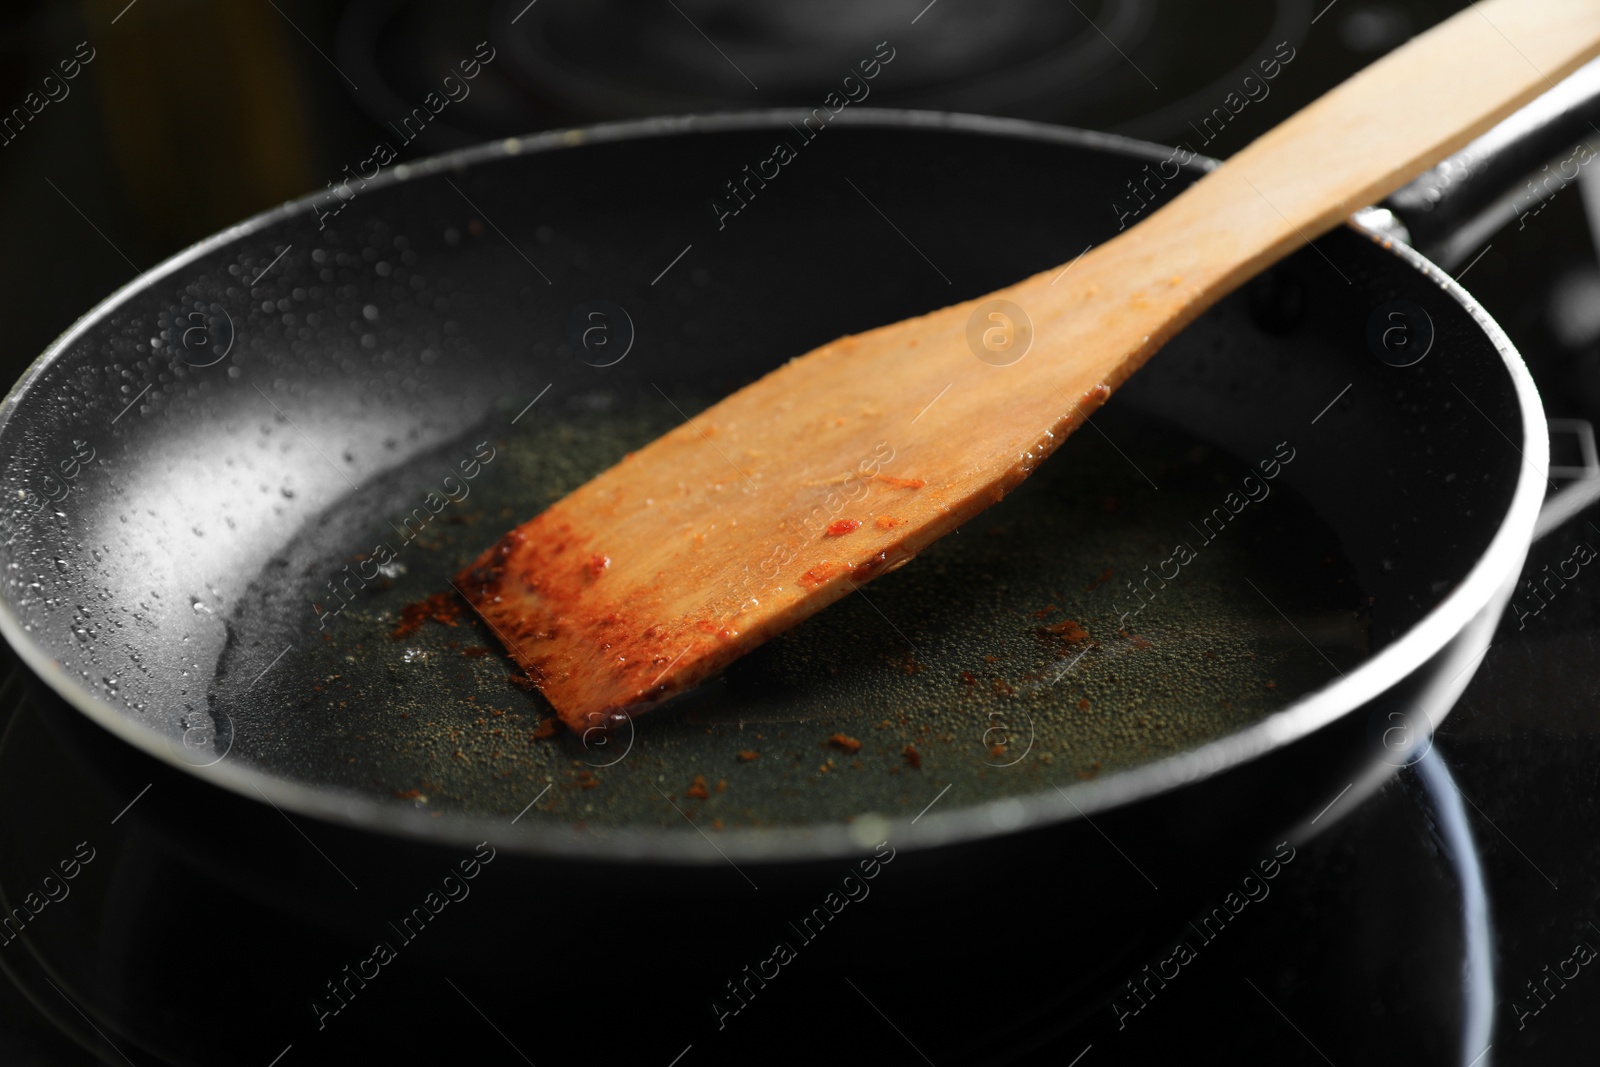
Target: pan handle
{"type": "Point", "coordinates": [1507, 173]}
{"type": "Point", "coordinates": [1510, 172]}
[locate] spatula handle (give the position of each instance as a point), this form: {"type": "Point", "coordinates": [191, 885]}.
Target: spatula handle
{"type": "Point", "coordinates": [1382, 127]}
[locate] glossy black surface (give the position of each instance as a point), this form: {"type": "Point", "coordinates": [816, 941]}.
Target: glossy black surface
{"type": "Point", "coordinates": [388, 327]}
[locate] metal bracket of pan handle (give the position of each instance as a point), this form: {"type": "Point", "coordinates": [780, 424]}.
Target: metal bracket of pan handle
{"type": "Point", "coordinates": [1508, 173]}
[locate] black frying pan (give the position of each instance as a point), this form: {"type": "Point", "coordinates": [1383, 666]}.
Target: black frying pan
{"type": "Point", "coordinates": [199, 457]}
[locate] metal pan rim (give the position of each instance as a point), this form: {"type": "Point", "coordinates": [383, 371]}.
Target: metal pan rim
{"type": "Point", "coordinates": [1488, 579]}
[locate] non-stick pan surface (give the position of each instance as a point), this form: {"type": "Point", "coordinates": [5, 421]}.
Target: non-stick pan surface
{"type": "Point", "coordinates": [203, 464]}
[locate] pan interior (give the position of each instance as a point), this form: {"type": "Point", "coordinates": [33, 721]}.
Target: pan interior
{"type": "Point", "coordinates": [1039, 645]}
{"type": "Point", "coordinates": [196, 461]}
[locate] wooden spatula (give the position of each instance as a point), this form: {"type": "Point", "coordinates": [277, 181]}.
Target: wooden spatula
{"type": "Point", "coordinates": [842, 464]}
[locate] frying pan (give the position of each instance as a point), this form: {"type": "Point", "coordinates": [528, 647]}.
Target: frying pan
{"type": "Point", "coordinates": [199, 455]}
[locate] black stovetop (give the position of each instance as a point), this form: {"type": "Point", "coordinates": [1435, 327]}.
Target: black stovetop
{"type": "Point", "coordinates": [1372, 946]}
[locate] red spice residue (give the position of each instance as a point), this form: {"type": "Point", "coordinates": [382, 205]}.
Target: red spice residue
{"type": "Point", "coordinates": [410, 794]}
{"type": "Point", "coordinates": [902, 483]}
{"type": "Point", "coordinates": [1105, 576]}
{"type": "Point", "coordinates": [546, 729]}
{"type": "Point", "coordinates": [1068, 631]}
{"type": "Point", "coordinates": [1048, 609]}
{"type": "Point", "coordinates": [868, 568]}
{"type": "Point", "coordinates": [887, 522]}
{"type": "Point", "coordinates": [819, 574]}
{"type": "Point", "coordinates": [475, 652]}
{"type": "Point", "coordinates": [440, 607]}
{"type": "Point", "coordinates": [596, 564]}
{"type": "Point", "coordinates": [698, 790]}
{"type": "Point", "coordinates": [912, 756]}
{"type": "Point", "coordinates": [843, 526]}
{"type": "Point", "coordinates": [844, 743]}
{"type": "Point", "coordinates": [483, 578]}
{"type": "Point", "coordinates": [749, 755]}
